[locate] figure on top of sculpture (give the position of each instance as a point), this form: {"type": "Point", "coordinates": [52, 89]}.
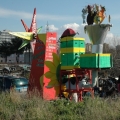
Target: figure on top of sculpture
{"type": "Point", "coordinates": [95, 14]}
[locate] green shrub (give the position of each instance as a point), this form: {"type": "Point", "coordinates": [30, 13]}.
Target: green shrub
{"type": "Point", "coordinates": [15, 107]}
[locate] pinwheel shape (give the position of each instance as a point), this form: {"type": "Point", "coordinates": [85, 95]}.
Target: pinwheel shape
{"type": "Point", "coordinates": [26, 42]}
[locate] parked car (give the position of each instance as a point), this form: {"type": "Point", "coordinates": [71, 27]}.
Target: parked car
{"type": "Point", "coordinates": [6, 70]}
{"type": "Point", "coordinates": [25, 67]}
{"type": "Point", "coordinates": [7, 83]}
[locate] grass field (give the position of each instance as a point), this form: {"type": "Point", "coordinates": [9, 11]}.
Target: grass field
{"type": "Point", "coordinates": [15, 107]}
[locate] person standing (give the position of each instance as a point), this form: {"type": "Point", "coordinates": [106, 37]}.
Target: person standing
{"type": "Point", "coordinates": [118, 84]}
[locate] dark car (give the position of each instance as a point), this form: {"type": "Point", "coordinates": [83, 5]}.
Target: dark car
{"type": "Point", "coordinates": [6, 70]}
{"type": "Point", "coordinates": [19, 84]}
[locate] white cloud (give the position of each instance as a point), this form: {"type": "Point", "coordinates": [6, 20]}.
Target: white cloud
{"type": "Point", "coordinates": [76, 27]}
{"type": "Point", "coordinates": [110, 37]}
{"type": "Point", "coordinates": [26, 15]}
{"type": "Point", "coordinates": [52, 28]}
{"type": "Point", "coordinates": [9, 13]}
{"type": "Point", "coordinates": [54, 17]}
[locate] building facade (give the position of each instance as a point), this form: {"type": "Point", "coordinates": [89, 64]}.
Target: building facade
{"type": "Point", "coordinates": [118, 48]}
{"type": "Point", "coordinates": [106, 48]}
{"type": "Point", "coordinates": [5, 36]}
{"type": "Point", "coordinates": [88, 48]}
{"type": "Point", "coordinates": [28, 57]}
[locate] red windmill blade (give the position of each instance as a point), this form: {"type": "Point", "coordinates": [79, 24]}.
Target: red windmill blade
{"type": "Point", "coordinates": [25, 26]}
{"type": "Point", "coordinates": [33, 28]}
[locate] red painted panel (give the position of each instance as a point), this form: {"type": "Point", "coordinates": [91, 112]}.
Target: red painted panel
{"type": "Point", "coordinates": [43, 52]}
{"type": "Point", "coordinates": [51, 38]}
{"type": "Point", "coordinates": [37, 69]}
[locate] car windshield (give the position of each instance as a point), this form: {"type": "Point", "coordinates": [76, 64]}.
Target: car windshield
{"type": "Point", "coordinates": [20, 82]}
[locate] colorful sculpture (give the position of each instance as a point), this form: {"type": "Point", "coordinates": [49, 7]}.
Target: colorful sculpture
{"type": "Point", "coordinates": [100, 16]}
{"type": "Point", "coordinates": [95, 14]}
{"type": "Point", "coordinates": [91, 15]}
{"type": "Point", "coordinates": [97, 33]}
{"type": "Point", "coordinates": [44, 51]}
{"type": "Point", "coordinates": [84, 12]}
{"type": "Point", "coordinates": [48, 69]}
{"type": "Point", "coordinates": [46, 64]}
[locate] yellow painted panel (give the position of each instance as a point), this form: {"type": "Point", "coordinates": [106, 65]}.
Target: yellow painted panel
{"type": "Point", "coordinates": [69, 50]}
{"type": "Point", "coordinates": [42, 37]}
{"type": "Point", "coordinates": [71, 38]}
{"type": "Point", "coordinates": [104, 54]}
{"type": "Point", "coordinates": [93, 55]}
{"type": "Point", "coordinates": [89, 55]}
{"type": "Point", "coordinates": [69, 67]}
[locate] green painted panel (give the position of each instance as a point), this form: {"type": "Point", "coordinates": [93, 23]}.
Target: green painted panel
{"type": "Point", "coordinates": [72, 43]}
{"type": "Point", "coordinates": [73, 59]}
{"type": "Point", "coordinates": [63, 44]}
{"type": "Point", "coordinates": [70, 59]}
{"type": "Point", "coordinates": [95, 61]}
{"type": "Point", "coordinates": [104, 62]}
{"type": "Point", "coordinates": [82, 43]}
{"type": "Point", "coordinates": [88, 62]}
{"type": "Point", "coordinates": [76, 43]}
{"type": "Point", "coordinates": [64, 59]}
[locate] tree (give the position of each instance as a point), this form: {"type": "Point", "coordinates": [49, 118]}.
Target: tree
{"type": "Point", "coordinates": [114, 42]}
{"type": "Point", "coordinates": [5, 49]}
{"type": "Point", "coordinates": [16, 43]}
{"type": "Point", "coordinates": [28, 47]}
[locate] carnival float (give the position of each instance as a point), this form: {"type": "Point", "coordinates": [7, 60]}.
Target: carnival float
{"type": "Point", "coordinates": [56, 75]}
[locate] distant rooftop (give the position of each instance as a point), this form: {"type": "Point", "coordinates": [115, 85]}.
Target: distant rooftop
{"type": "Point", "coordinates": [5, 36]}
